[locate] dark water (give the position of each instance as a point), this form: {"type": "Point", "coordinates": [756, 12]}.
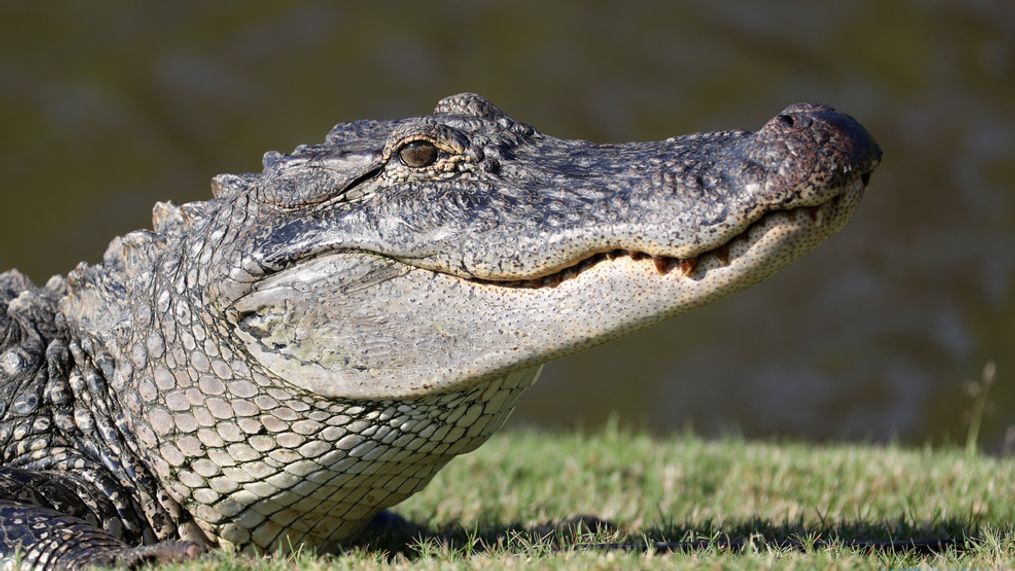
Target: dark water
{"type": "Point", "coordinates": [105, 111]}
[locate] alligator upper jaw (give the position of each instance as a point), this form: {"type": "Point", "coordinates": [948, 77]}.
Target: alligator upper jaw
{"type": "Point", "coordinates": [824, 219]}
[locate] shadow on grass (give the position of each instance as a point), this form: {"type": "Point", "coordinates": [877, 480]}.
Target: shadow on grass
{"type": "Point", "coordinates": [395, 536]}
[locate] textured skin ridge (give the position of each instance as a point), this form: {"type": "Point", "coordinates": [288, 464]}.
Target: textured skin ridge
{"type": "Point", "coordinates": [60, 419]}
{"type": "Point", "coordinates": [273, 367]}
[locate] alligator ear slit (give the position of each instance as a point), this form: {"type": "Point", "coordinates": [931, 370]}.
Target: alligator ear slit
{"type": "Point", "coordinates": [361, 179]}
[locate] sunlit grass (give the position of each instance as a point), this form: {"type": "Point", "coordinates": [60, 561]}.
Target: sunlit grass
{"type": "Point", "coordinates": [687, 502]}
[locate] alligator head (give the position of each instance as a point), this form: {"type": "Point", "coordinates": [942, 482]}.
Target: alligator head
{"type": "Point", "coordinates": [315, 342]}
{"type": "Point", "coordinates": [406, 257]}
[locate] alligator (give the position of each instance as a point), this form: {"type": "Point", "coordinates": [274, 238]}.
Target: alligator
{"type": "Point", "coordinates": [276, 366]}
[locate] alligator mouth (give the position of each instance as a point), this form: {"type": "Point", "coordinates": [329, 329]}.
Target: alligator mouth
{"type": "Point", "coordinates": [693, 267]}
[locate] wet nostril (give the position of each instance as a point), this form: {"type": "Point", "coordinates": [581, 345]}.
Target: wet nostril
{"type": "Point", "coordinates": [787, 120]}
{"type": "Point", "coordinates": [865, 178]}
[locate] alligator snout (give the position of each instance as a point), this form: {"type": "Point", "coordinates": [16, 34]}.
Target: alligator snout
{"type": "Point", "coordinates": [809, 153]}
{"type": "Point", "coordinates": [804, 126]}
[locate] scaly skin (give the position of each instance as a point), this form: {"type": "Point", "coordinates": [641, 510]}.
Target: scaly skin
{"type": "Point", "coordinates": [275, 366]}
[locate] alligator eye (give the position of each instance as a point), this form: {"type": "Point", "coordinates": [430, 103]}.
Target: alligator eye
{"type": "Point", "coordinates": [418, 154]}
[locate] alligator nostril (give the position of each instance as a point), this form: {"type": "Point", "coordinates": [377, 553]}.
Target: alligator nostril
{"type": "Point", "coordinates": [787, 120]}
{"type": "Point", "coordinates": [865, 178]}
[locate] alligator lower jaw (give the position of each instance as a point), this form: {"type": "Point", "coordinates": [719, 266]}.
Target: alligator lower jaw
{"type": "Point", "coordinates": [825, 218]}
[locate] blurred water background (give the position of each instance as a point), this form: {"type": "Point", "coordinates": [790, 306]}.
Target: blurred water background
{"type": "Point", "coordinates": [108, 107]}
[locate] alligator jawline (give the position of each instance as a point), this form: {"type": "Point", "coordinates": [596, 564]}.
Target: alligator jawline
{"type": "Point", "coordinates": [663, 264]}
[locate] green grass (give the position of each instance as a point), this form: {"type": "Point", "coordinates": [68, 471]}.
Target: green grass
{"type": "Point", "coordinates": [718, 504]}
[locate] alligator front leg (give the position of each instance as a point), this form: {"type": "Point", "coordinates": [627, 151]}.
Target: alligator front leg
{"type": "Point", "coordinates": [51, 520]}
{"type": "Point", "coordinates": [40, 538]}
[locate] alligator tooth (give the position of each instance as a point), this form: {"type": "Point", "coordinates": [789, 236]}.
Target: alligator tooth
{"type": "Point", "coordinates": [687, 266]}
{"type": "Point", "coordinates": [817, 215]}
{"type": "Point", "coordinates": [722, 253]}
{"type": "Point", "coordinates": [662, 264]}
